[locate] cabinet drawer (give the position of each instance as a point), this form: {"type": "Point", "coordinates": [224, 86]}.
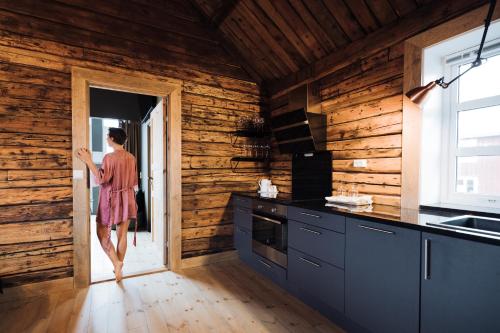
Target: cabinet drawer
{"type": "Point", "coordinates": [243, 242]}
{"type": "Point", "coordinates": [317, 283]}
{"type": "Point", "coordinates": [242, 217]}
{"type": "Point", "coordinates": [242, 201]}
{"type": "Point", "coordinates": [319, 219]}
{"type": "Point", "coordinates": [318, 242]}
{"type": "Point", "coordinates": [382, 276]}
{"type": "Point", "coordinates": [269, 269]}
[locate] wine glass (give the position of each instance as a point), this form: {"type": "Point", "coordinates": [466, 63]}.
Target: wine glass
{"type": "Point", "coordinates": [341, 191]}
{"type": "Point", "coordinates": [353, 192]}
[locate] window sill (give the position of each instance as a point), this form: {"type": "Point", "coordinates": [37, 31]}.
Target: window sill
{"type": "Point", "coordinates": [463, 209]}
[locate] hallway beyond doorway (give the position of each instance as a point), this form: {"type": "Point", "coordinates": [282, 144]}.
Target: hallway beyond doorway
{"type": "Point", "coordinates": [140, 259]}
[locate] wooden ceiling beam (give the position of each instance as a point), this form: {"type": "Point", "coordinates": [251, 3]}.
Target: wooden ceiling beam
{"type": "Point", "coordinates": [268, 38]}
{"type": "Point", "coordinates": [419, 20]}
{"type": "Point", "coordinates": [248, 32]}
{"type": "Point", "coordinates": [383, 11]}
{"type": "Point", "coordinates": [320, 34]}
{"type": "Point", "coordinates": [287, 30]}
{"type": "Point", "coordinates": [223, 12]}
{"type": "Point", "coordinates": [403, 7]}
{"type": "Point", "coordinates": [345, 19]}
{"type": "Point", "coordinates": [226, 45]}
{"type": "Point", "coordinates": [328, 22]}
{"type": "Point", "coordinates": [276, 34]}
{"type": "Point", "coordinates": [363, 15]}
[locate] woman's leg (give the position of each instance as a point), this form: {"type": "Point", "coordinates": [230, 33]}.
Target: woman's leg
{"type": "Point", "coordinates": [121, 233]}
{"type": "Point", "coordinates": [109, 249]}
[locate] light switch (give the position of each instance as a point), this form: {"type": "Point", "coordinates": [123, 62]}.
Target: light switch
{"type": "Point", "coordinates": [360, 163]}
{"type": "Point", "coordinates": [77, 174]}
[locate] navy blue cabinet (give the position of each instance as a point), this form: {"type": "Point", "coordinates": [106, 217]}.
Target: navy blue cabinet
{"type": "Point", "coordinates": [382, 276]}
{"type": "Point", "coordinates": [460, 285]}
{"type": "Point", "coordinates": [269, 269]}
{"type": "Point", "coordinates": [242, 201]}
{"type": "Point", "coordinates": [316, 250]}
{"type": "Point", "coordinates": [321, 243]}
{"type": "Point", "coordinates": [243, 242]}
{"type": "Point", "coordinates": [316, 282]}
{"type": "Point", "coordinates": [242, 219]}
{"type": "Point", "coordinates": [320, 219]}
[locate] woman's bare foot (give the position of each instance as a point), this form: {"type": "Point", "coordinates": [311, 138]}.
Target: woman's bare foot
{"type": "Point", "coordinates": [118, 271]}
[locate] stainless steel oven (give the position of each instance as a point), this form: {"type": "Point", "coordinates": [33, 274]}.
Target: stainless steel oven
{"type": "Point", "coordinates": [269, 231]}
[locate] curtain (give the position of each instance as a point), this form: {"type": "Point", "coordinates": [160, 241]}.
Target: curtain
{"type": "Point", "coordinates": [132, 129]}
{"type": "Point", "coordinates": [133, 144]}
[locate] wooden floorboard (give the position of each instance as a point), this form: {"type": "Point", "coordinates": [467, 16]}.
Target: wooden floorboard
{"type": "Point", "coordinates": [222, 297]}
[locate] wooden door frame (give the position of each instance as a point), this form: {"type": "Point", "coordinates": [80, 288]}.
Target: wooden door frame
{"type": "Point", "coordinates": [412, 115]}
{"type": "Point", "coordinates": [135, 82]}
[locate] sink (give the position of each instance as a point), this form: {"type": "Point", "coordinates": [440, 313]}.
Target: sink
{"type": "Point", "coordinates": [476, 224]}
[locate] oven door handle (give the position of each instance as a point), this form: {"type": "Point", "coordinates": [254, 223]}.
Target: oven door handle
{"type": "Point", "coordinates": [267, 219]}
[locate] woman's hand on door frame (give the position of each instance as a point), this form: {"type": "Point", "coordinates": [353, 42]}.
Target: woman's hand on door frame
{"type": "Point", "coordinates": [84, 155]}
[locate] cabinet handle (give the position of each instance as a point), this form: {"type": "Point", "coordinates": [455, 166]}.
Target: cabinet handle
{"type": "Point", "coordinates": [310, 262]}
{"type": "Point", "coordinates": [267, 219]}
{"type": "Point", "coordinates": [260, 206]}
{"type": "Point", "coordinates": [241, 210]}
{"type": "Point", "coordinates": [311, 231]}
{"type": "Point", "coordinates": [265, 264]}
{"type": "Point", "coordinates": [311, 215]}
{"type": "Point", "coordinates": [376, 229]}
{"type": "Point", "coordinates": [427, 259]}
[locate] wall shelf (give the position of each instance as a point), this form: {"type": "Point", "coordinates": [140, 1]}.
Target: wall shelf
{"type": "Point", "coordinates": [262, 135]}
{"type": "Point", "coordinates": [265, 161]}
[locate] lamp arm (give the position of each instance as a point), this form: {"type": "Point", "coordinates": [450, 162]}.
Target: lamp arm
{"type": "Point", "coordinates": [440, 82]}
{"type": "Point", "coordinates": [417, 95]}
{"type": "Point", "coordinates": [487, 22]}
{"type": "Point", "coordinates": [476, 63]}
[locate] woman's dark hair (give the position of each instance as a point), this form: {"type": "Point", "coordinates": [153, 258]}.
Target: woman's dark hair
{"type": "Point", "coordinates": [118, 135]}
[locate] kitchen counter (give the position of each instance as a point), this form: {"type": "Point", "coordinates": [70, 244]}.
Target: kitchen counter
{"type": "Point", "coordinates": [382, 270]}
{"type": "Point", "coordinates": [401, 217]}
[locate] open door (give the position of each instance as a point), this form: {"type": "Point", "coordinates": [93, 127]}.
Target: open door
{"type": "Point", "coordinates": [158, 180]}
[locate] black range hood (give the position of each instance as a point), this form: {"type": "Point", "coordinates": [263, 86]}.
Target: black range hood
{"type": "Point", "coordinates": [303, 128]}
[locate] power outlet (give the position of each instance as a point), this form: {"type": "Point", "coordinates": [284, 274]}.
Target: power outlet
{"type": "Point", "coordinates": [360, 163]}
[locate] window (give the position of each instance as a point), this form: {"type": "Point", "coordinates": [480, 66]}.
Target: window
{"type": "Point", "coordinates": [471, 130]}
{"type": "Point", "coordinates": [99, 130]}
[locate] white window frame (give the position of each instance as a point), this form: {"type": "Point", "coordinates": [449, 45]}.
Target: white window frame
{"type": "Point", "coordinates": [450, 149]}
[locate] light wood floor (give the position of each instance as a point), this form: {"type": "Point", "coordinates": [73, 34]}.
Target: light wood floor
{"type": "Point", "coordinates": [144, 257]}
{"type": "Point", "coordinates": [224, 297]}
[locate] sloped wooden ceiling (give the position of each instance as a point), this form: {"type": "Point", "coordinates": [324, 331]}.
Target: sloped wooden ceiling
{"type": "Point", "coordinates": [279, 37]}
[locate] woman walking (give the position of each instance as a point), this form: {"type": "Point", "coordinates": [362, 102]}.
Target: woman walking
{"type": "Point", "coordinates": [118, 182]}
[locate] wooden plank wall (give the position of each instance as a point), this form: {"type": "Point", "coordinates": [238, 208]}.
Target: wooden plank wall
{"type": "Point", "coordinates": [363, 105]}
{"type": "Point", "coordinates": [362, 90]}
{"type": "Point", "coordinates": [39, 43]}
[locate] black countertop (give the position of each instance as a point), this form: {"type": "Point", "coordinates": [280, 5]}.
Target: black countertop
{"type": "Point", "coordinates": [400, 217]}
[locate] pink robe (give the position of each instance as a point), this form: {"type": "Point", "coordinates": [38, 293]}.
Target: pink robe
{"type": "Point", "coordinates": [117, 179]}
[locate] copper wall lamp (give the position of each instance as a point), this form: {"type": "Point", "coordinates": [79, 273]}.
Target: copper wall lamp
{"type": "Point", "coordinates": [418, 95]}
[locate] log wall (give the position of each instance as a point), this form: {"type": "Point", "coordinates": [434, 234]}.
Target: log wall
{"type": "Point", "coordinates": [363, 105]}
{"type": "Point", "coordinates": [362, 95]}
{"type": "Point", "coordinates": [39, 43]}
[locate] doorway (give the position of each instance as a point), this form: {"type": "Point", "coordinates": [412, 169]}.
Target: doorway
{"type": "Point", "coordinates": [153, 129]}
{"type": "Point", "coordinates": [170, 108]}
{"type": "Point", "coordinates": [135, 114]}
